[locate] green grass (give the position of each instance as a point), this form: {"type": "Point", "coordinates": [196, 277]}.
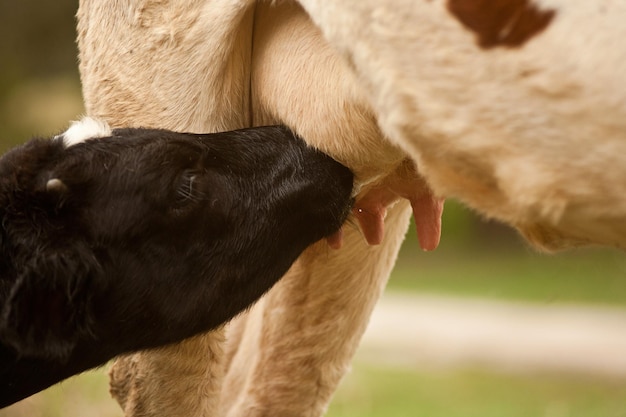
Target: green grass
{"type": "Point", "coordinates": [597, 277]}
{"type": "Point", "coordinates": [85, 395]}
{"type": "Point", "coordinates": [370, 391]}
{"type": "Point", "coordinates": [382, 392]}
{"type": "Point", "coordinates": [487, 260]}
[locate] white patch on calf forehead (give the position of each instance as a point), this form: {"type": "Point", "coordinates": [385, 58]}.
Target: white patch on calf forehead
{"type": "Point", "coordinates": [85, 129]}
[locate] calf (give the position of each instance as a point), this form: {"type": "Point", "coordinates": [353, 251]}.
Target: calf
{"type": "Point", "coordinates": [119, 240]}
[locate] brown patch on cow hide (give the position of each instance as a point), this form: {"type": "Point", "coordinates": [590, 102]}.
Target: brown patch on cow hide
{"type": "Point", "coordinates": [508, 23]}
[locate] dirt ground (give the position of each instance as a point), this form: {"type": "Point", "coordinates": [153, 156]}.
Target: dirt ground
{"type": "Point", "coordinates": [436, 331]}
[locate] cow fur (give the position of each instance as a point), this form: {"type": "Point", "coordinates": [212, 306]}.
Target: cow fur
{"type": "Point", "coordinates": [533, 134]}
{"type": "Point", "coordinates": [119, 240]}
{"type": "Point", "coordinates": [523, 123]}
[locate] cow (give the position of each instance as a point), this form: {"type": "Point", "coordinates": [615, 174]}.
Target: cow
{"type": "Point", "coordinates": [516, 108]}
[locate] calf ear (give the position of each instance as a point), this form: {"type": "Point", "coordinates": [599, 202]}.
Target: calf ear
{"type": "Point", "coordinates": [49, 307]}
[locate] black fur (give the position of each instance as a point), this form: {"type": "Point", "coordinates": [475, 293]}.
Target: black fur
{"type": "Point", "coordinates": [152, 237]}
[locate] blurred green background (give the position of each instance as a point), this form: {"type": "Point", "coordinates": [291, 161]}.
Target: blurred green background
{"type": "Point", "coordinates": [40, 94]}
{"type": "Point", "coordinates": [39, 88]}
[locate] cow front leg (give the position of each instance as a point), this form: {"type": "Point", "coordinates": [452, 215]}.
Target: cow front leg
{"type": "Point", "coordinates": [297, 344]}
{"type": "Point", "coordinates": [178, 380]}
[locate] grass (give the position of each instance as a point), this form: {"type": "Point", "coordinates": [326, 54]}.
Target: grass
{"type": "Point", "coordinates": [597, 277]}
{"type": "Point", "coordinates": [371, 391]}
{"type": "Point", "coordinates": [478, 259]}
{"type": "Point", "coordinates": [86, 395]}
{"type": "Point", "coordinates": [381, 392]}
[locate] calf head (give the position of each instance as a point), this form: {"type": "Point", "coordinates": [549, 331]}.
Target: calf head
{"type": "Point", "coordinates": [136, 237]}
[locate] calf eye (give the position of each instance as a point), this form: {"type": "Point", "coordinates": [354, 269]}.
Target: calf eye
{"type": "Point", "coordinates": [186, 191]}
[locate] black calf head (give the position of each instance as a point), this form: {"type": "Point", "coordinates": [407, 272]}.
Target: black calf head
{"type": "Point", "coordinates": [144, 237]}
